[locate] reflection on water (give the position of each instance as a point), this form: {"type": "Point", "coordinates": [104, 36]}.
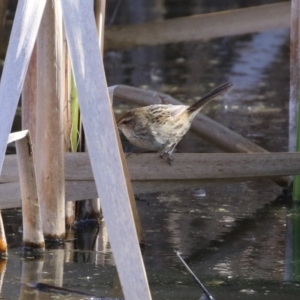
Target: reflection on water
{"type": "Point", "coordinates": [235, 237]}
{"type": "Point", "coordinates": [252, 57]}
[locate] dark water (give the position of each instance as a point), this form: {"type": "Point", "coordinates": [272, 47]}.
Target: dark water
{"type": "Point", "coordinates": [236, 237]}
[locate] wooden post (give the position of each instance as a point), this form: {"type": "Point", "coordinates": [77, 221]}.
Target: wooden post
{"type": "Point", "coordinates": [3, 7]}
{"type": "Point", "coordinates": [3, 243]}
{"type": "Point", "coordinates": [33, 239]}
{"type": "Point", "coordinates": [134, 209]}
{"type": "Point", "coordinates": [100, 6]}
{"type": "Point", "coordinates": [27, 20]}
{"type": "Point", "coordinates": [294, 72]}
{"type": "Point", "coordinates": [294, 108]}
{"type": "Point", "coordinates": [70, 205]}
{"type": "Point", "coordinates": [93, 206]}
{"type": "Point", "coordinates": [69, 247]}
{"type": "Point", "coordinates": [101, 137]}
{"type": "Point", "coordinates": [3, 263]}
{"type": "Point", "coordinates": [28, 16]}
{"type": "Point", "coordinates": [49, 134]}
{"type": "Point", "coordinates": [101, 246]}
{"type": "Point", "coordinates": [29, 98]}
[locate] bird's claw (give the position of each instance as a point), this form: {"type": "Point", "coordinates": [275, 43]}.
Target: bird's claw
{"type": "Point", "coordinates": [169, 159]}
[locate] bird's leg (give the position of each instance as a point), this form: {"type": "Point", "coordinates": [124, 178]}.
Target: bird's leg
{"type": "Point", "coordinates": [170, 158]}
{"type": "Point", "coordinates": [169, 153]}
{"type": "Point", "coordinates": [162, 154]}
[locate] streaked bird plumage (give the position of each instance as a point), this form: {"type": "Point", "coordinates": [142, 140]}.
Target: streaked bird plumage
{"type": "Point", "coordinates": [160, 127]}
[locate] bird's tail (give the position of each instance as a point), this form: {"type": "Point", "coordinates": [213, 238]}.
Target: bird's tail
{"type": "Point", "coordinates": [212, 94]}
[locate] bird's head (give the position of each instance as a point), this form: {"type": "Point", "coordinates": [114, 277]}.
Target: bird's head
{"type": "Point", "coordinates": [126, 122]}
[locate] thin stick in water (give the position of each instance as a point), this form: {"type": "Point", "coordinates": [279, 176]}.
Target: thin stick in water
{"type": "Point", "coordinates": [203, 288]}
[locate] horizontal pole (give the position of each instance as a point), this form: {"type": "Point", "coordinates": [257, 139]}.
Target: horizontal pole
{"type": "Point", "coordinates": [199, 27]}
{"type": "Point", "coordinates": [213, 166]}
{"type": "Point", "coordinates": [187, 166]}
{"type": "Point", "coordinates": [149, 173]}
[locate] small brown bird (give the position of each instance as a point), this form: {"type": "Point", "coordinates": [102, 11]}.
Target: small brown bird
{"type": "Point", "coordinates": [160, 127]}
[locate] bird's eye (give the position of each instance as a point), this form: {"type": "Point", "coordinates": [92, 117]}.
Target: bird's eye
{"type": "Point", "coordinates": [126, 122]}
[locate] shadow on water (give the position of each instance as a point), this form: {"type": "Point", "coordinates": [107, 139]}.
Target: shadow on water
{"type": "Point", "coordinates": [240, 239]}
